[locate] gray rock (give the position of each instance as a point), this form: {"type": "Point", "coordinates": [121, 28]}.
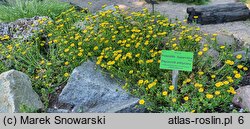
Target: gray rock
{"type": "Point", "coordinates": [110, 7]}
{"type": "Point", "coordinates": [52, 110]}
{"type": "Point", "coordinates": [15, 91]}
{"type": "Point", "coordinates": [242, 97]}
{"type": "Point", "coordinates": [213, 53]}
{"type": "Point", "coordinates": [22, 28]}
{"type": "Point", "coordinates": [226, 40]}
{"type": "Point", "coordinates": [91, 91]}
{"type": "Point", "coordinates": [245, 81]}
{"type": "Point", "coordinates": [215, 57]}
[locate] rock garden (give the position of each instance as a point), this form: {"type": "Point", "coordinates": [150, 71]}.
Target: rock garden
{"type": "Point", "coordinates": [81, 56]}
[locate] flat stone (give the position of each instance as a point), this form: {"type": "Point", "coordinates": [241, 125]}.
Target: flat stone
{"type": "Point", "coordinates": [242, 97]}
{"type": "Point", "coordinates": [15, 91]}
{"type": "Point", "coordinates": [91, 91]}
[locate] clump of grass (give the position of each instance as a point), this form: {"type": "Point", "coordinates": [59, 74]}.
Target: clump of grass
{"type": "Point", "coordinates": [15, 9]}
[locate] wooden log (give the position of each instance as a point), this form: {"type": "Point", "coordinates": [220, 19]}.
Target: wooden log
{"type": "Point", "coordinates": [214, 14]}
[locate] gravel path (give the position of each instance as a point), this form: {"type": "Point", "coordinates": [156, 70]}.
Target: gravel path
{"type": "Point", "coordinates": [239, 30]}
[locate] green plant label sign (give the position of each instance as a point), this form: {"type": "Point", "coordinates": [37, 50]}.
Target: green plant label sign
{"type": "Point", "coordinates": [176, 60]}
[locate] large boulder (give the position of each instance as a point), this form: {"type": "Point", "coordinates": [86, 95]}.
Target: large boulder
{"type": "Point", "coordinates": [242, 97]}
{"type": "Point", "coordinates": [90, 90]}
{"type": "Point", "coordinates": [16, 91]}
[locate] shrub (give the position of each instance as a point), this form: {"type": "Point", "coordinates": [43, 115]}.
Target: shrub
{"type": "Point", "coordinates": [14, 10]}
{"type": "Point", "coordinates": [129, 48]}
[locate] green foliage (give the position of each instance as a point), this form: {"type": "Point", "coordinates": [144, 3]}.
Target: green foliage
{"type": "Point", "coordinates": [3, 67]}
{"type": "Point", "coordinates": [40, 61]}
{"type": "Point", "coordinates": [25, 109]}
{"type": "Point", "coordinates": [16, 9]}
{"type": "Point", "coordinates": [129, 48]}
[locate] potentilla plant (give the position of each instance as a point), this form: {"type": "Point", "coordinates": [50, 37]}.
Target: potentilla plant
{"type": "Point", "coordinates": [128, 46]}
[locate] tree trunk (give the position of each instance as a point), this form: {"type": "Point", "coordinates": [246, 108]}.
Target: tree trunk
{"type": "Point", "coordinates": [220, 13]}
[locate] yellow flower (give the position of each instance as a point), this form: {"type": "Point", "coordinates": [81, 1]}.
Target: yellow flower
{"type": "Point", "coordinates": [226, 82]}
{"type": "Point", "coordinates": [95, 48]}
{"type": "Point", "coordinates": [50, 34]}
{"type": "Point", "coordinates": [239, 56]}
{"type": "Point", "coordinates": [174, 45]}
{"type": "Point", "coordinates": [193, 111]}
{"type": "Point", "coordinates": [229, 62]}
{"type": "Point", "coordinates": [140, 82]}
{"type": "Point", "coordinates": [235, 72]}
{"type": "Point", "coordinates": [42, 62]}
{"type": "Point", "coordinates": [8, 56]}
{"type": "Point", "coordinates": [237, 75]}
{"type": "Point", "coordinates": [66, 63]}
{"type": "Point", "coordinates": [37, 77]}
{"type": "Point", "coordinates": [198, 85]}
{"type": "Point", "coordinates": [66, 50]}
{"type": "Point", "coordinates": [231, 90]}
{"type": "Point", "coordinates": [209, 96]}
{"type": "Point", "coordinates": [196, 17]}
{"type": "Point", "coordinates": [137, 55]}
{"type": "Point", "coordinates": [129, 55]}
{"type": "Point", "coordinates": [201, 90]}
{"type": "Point", "coordinates": [213, 76]}
{"type": "Point", "coordinates": [149, 61]}
{"type": "Point", "coordinates": [141, 102]}
{"type": "Point", "coordinates": [111, 63]}
{"type": "Point", "coordinates": [205, 49]}
{"type": "Point", "coordinates": [49, 63]}
{"type": "Point", "coordinates": [131, 71]}
{"type": "Point", "coordinates": [217, 92]}
{"type": "Point", "coordinates": [240, 66]}
{"type": "Point", "coordinates": [215, 35]}
{"type": "Point", "coordinates": [200, 53]}
{"type": "Point", "coordinates": [186, 98]}
{"type": "Point", "coordinates": [140, 61]}
{"type": "Point", "coordinates": [80, 44]}
{"type": "Point", "coordinates": [245, 68]}
{"type": "Point", "coordinates": [79, 54]}
{"type": "Point", "coordinates": [200, 73]}
{"type": "Point", "coordinates": [188, 80]}
{"type": "Point", "coordinates": [222, 47]}
{"type": "Point", "coordinates": [66, 75]}
{"type": "Point", "coordinates": [151, 85]}
{"type": "Point", "coordinates": [132, 36]}
{"type": "Point", "coordinates": [174, 100]}
{"type": "Point", "coordinates": [171, 87]}
{"type": "Point", "coordinates": [164, 93]}
{"type": "Point", "coordinates": [219, 84]}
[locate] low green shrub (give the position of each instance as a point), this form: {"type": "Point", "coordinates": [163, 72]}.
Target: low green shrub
{"type": "Point", "coordinates": [16, 9]}
{"type": "Point", "coordinates": [129, 47]}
